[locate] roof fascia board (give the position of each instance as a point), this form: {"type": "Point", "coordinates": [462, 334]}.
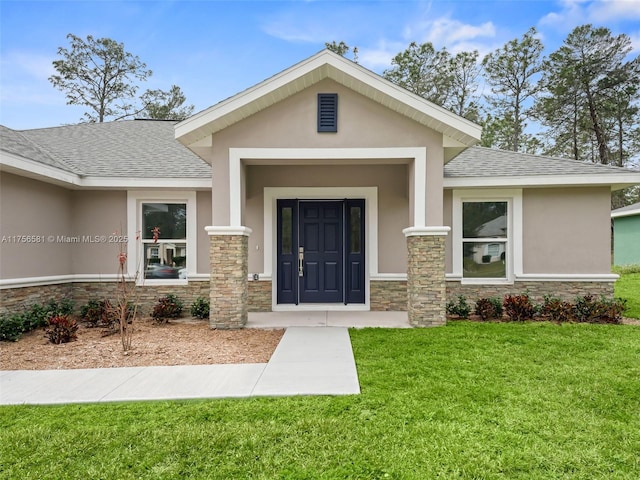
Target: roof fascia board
{"type": "Point", "coordinates": [17, 165]}
{"type": "Point", "coordinates": [24, 167]}
{"type": "Point", "coordinates": [628, 213]}
{"type": "Point", "coordinates": [619, 180]}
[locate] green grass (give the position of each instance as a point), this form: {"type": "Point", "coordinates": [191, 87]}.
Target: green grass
{"type": "Point", "coordinates": [628, 287]}
{"type": "Point", "coordinates": [468, 401]}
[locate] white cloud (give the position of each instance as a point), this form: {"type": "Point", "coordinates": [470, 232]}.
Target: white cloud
{"type": "Point", "coordinates": [379, 58]}
{"type": "Point", "coordinates": [34, 65]}
{"type": "Point", "coordinates": [453, 34]}
{"type": "Point", "coordinates": [604, 10]}
{"type": "Point", "coordinates": [578, 12]}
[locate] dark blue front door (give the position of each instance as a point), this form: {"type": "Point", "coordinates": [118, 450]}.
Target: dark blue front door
{"type": "Point", "coordinates": [320, 251]}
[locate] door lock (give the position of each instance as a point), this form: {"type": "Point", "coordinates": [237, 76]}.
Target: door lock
{"type": "Point", "coordinates": [301, 261]}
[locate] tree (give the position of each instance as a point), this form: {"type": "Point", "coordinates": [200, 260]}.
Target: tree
{"type": "Point", "coordinates": [99, 74]}
{"type": "Point", "coordinates": [342, 49]}
{"type": "Point", "coordinates": [464, 72]}
{"type": "Point", "coordinates": [511, 72]}
{"type": "Point", "coordinates": [422, 70]}
{"type": "Point", "coordinates": [591, 96]}
{"type": "Point", "coordinates": [444, 79]}
{"type": "Point", "coordinates": [161, 105]}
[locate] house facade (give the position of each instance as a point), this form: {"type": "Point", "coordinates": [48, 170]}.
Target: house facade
{"type": "Point", "coordinates": [323, 187]}
{"type": "Point", "coordinates": [626, 235]}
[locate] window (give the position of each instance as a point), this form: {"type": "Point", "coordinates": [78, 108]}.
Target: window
{"type": "Point", "coordinates": [487, 234]}
{"type": "Point", "coordinates": [484, 239]}
{"type": "Point", "coordinates": [327, 112]}
{"type": "Point", "coordinates": [163, 228]}
{"type": "Point", "coordinates": [164, 240]}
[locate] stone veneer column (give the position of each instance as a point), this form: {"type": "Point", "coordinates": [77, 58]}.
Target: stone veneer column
{"type": "Point", "coordinates": [229, 289]}
{"type": "Point", "coordinates": [426, 287]}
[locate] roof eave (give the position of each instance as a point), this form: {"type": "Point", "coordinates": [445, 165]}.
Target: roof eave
{"type": "Point", "coordinates": [616, 181]}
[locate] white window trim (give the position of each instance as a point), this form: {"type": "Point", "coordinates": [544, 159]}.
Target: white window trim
{"type": "Point", "coordinates": [135, 199]}
{"type": "Point", "coordinates": [513, 197]}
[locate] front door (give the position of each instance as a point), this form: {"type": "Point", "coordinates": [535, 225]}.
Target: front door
{"type": "Point", "coordinates": [320, 251]}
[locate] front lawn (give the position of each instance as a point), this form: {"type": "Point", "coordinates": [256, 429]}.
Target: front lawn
{"type": "Point", "coordinates": [469, 400]}
{"type": "Point", "coordinates": [628, 287]}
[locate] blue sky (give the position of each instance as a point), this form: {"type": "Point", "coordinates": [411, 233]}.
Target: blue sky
{"type": "Point", "coordinates": [215, 49]}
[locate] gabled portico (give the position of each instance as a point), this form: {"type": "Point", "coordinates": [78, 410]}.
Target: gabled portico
{"type": "Point", "coordinates": [374, 181]}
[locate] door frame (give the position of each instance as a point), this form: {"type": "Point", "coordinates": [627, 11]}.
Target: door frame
{"type": "Point", "coordinates": [290, 286]}
{"type": "Point", "coordinates": [273, 194]}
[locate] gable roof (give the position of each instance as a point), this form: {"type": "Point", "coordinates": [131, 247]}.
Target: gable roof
{"type": "Point", "coordinates": [130, 149]}
{"type": "Point", "coordinates": [326, 64]}
{"type": "Point", "coordinates": [481, 166]}
{"type": "Point", "coordinates": [627, 211]}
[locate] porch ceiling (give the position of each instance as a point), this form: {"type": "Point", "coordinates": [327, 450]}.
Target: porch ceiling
{"type": "Point", "coordinates": [324, 65]}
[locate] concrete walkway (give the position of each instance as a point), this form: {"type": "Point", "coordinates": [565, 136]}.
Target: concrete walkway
{"type": "Point", "coordinates": [351, 319]}
{"type": "Point", "coordinates": [307, 361]}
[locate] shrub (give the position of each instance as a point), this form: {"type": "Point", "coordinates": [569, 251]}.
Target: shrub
{"type": "Point", "coordinates": [518, 307]}
{"type": "Point", "coordinates": [557, 310]}
{"type": "Point", "coordinates": [200, 308]}
{"type": "Point", "coordinates": [488, 308]}
{"type": "Point", "coordinates": [167, 307]}
{"type": "Point", "coordinates": [588, 309]}
{"type": "Point", "coordinates": [37, 315]}
{"type": "Point", "coordinates": [62, 329]}
{"type": "Point", "coordinates": [460, 308]}
{"type": "Point", "coordinates": [100, 314]}
{"type": "Point", "coordinates": [11, 327]}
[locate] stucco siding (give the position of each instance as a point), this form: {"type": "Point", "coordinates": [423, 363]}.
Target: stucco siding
{"type": "Point", "coordinates": [566, 230]}
{"type": "Point", "coordinates": [626, 240]}
{"type": "Point", "coordinates": [292, 123]}
{"type": "Point", "coordinates": [393, 212]}
{"type": "Point", "coordinates": [98, 219]}
{"type": "Point", "coordinates": [36, 219]}
{"type": "Point", "coordinates": [203, 206]}
{"type": "Point", "coordinates": [447, 200]}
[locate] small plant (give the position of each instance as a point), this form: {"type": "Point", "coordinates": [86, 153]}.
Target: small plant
{"type": "Point", "coordinates": [557, 310]}
{"type": "Point", "coordinates": [167, 307]}
{"type": "Point", "coordinates": [488, 308]}
{"type": "Point", "coordinates": [62, 329]}
{"type": "Point", "coordinates": [200, 308]}
{"type": "Point", "coordinates": [460, 308]}
{"type": "Point", "coordinates": [588, 309]}
{"type": "Point", "coordinates": [35, 316]}
{"type": "Point", "coordinates": [11, 327]}
{"type": "Point", "coordinates": [518, 307]}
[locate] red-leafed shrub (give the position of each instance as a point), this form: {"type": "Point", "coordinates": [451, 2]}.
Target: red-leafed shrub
{"type": "Point", "coordinates": [518, 307]}
{"type": "Point", "coordinates": [61, 329]}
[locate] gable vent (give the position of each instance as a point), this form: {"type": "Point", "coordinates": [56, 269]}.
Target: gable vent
{"type": "Point", "coordinates": [327, 112]}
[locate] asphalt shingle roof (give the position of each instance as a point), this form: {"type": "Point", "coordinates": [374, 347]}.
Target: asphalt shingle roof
{"type": "Point", "coordinates": [488, 162]}
{"type": "Point", "coordinates": [130, 148]}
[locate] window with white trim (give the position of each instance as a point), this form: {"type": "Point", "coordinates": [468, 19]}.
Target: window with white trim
{"type": "Point", "coordinates": [165, 236]}
{"type": "Point", "coordinates": [487, 235]}
{"type": "Point", "coordinates": [164, 240]}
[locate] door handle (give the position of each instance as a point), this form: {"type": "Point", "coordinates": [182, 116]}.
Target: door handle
{"type": "Point", "coordinates": [301, 261]}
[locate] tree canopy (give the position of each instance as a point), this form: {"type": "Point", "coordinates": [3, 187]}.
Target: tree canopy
{"type": "Point", "coordinates": [99, 74]}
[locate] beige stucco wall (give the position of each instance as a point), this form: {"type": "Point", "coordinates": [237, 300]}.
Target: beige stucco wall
{"type": "Point", "coordinates": [393, 212]}
{"type": "Point", "coordinates": [97, 213]}
{"type": "Point", "coordinates": [447, 201]}
{"type": "Point", "coordinates": [292, 123]}
{"type": "Point", "coordinates": [203, 206]}
{"type": "Point", "coordinates": [33, 208]}
{"type": "Point", "coordinates": [566, 230]}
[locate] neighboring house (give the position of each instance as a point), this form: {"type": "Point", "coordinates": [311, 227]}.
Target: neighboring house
{"type": "Point", "coordinates": [323, 187]}
{"type": "Point", "coordinates": [626, 235]}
